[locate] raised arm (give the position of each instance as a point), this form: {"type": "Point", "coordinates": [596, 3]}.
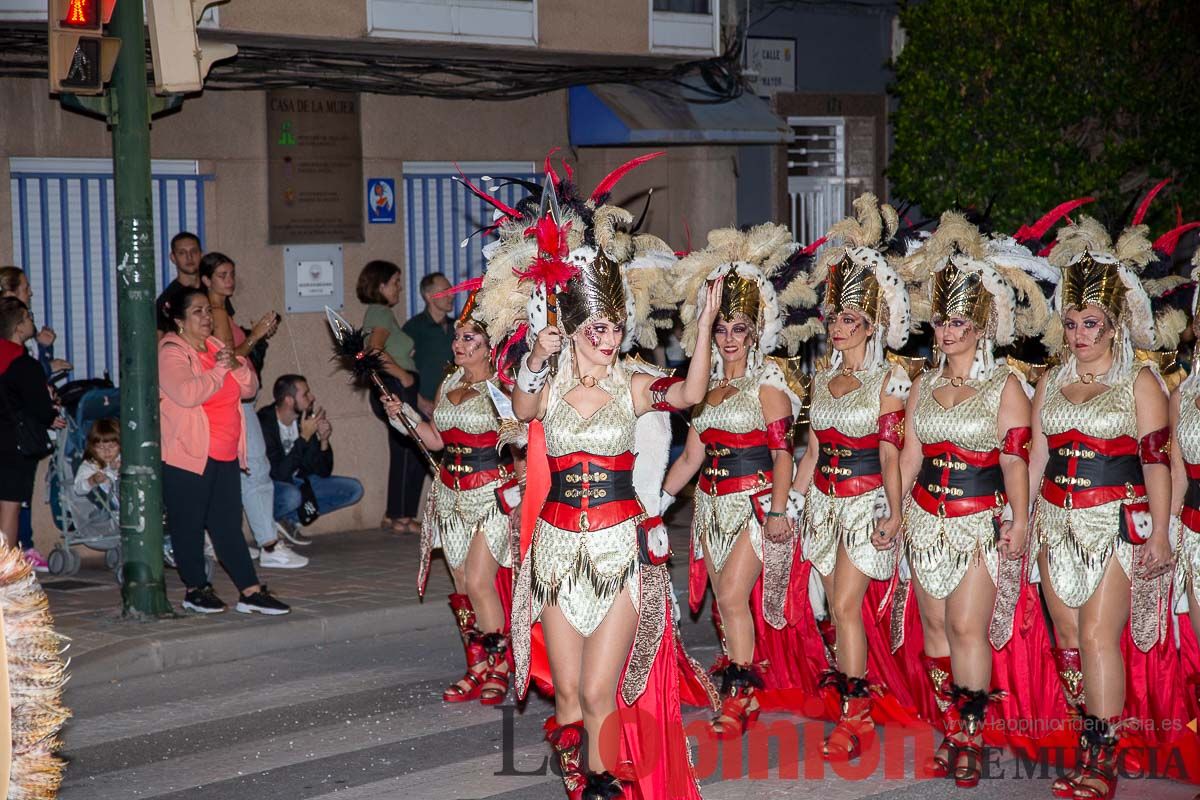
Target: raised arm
{"type": "Point", "coordinates": [691, 390]}
{"type": "Point", "coordinates": [529, 396]}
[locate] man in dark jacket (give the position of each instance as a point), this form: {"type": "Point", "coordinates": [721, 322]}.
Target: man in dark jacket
{"type": "Point", "coordinates": [297, 432]}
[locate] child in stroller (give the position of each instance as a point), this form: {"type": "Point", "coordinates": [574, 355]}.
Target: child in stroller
{"type": "Point", "coordinates": [98, 473]}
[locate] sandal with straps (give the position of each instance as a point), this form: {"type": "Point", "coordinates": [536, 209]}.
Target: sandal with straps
{"type": "Point", "coordinates": [495, 682]}
{"type": "Point", "coordinates": [855, 727]}
{"type": "Point", "coordinates": [939, 764]}
{"type": "Point", "coordinates": [737, 714]}
{"type": "Point", "coordinates": [966, 776]}
{"type": "Point", "coordinates": [474, 678]}
{"type": "Point", "coordinates": [1099, 773]}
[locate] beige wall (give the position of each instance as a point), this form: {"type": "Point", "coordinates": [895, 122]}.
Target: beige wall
{"type": "Point", "coordinates": [225, 131]}
{"type": "Point", "coordinates": [570, 26]}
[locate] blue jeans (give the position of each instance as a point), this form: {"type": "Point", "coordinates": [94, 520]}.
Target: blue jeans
{"type": "Point", "coordinates": [256, 483]}
{"type": "Point", "coordinates": [332, 493]}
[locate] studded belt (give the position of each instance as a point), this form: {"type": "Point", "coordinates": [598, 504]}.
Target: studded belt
{"type": "Point", "coordinates": [955, 482]}
{"type": "Point", "coordinates": [847, 466]}
{"type": "Point", "coordinates": [1083, 471]}
{"type": "Point", "coordinates": [589, 492]}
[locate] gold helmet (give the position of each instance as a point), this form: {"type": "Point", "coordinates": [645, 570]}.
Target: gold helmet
{"type": "Point", "coordinates": [740, 296]}
{"type": "Point", "coordinates": [851, 286]}
{"type": "Point", "coordinates": [598, 291]}
{"type": "Point", "coordinates": [956, 292]}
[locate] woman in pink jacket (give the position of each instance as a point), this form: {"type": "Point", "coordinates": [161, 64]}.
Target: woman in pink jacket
{"type": "Point", "coordinates": [201, 387]}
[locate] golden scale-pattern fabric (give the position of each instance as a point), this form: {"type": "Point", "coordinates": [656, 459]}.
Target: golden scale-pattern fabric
{"type": "Point", "coordinates": [849, 521]}
{"type": "Point", "coordinates": [462, 514]}
{"type": "Point", "coordinates": [582, 573]}
{"type": "Point", "coordinates": [941, 549]}
{"type": "Point", "coordinates": [1080, 541]}
{"type": "Point", "coordinates": [719, 519]}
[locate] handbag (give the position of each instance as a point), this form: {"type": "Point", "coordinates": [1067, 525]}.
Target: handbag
{"type": "Point", "coordinates": [309, 510]}
{"type": "Point", "coordinates": [31, 440]}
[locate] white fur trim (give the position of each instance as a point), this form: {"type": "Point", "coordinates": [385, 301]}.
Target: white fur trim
{"type": "Point", "coordinates": [895, 297]}
{"type": "Point", "coordinates": [630, 315]}
{"type": "Point", "coordinates": [898, 384]}
{"type": "Point", "coordinates": [652, 448]}
{"type": "Point", "coordinates": [512, 495]}
{"type": "Point", "coordinates": [536, 310]}
{"type": "Point", "coordinates": [531, 382]}
{"type": "Point", "coordinates": [1137, 306]}
{"type": "Point", "coordinates": [665, 502]}
{"type": "Point", "coordinates": [772, 376]}
{"type": "Point", "coordinates": [1005, 251]}
{"type": "Point", "coordinates": [795, 505]}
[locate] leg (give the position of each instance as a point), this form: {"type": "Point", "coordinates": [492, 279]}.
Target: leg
{"type": "Point", "coordinates": [481, 570]}
{"type": "Point", "coordinates": [1101, 622]}
{"type": "Point", "coordinates": [564, 651]}
{"type": "Point", "coordinates": [397, 459]}
{"type": "Point", "coordinates": [1066, 638]}
{"type": "Point", "coordinates": [933, 621]}
{"type": "Point", "coordinates": [733, 588]}
{"type": "Point", "coordinates": [223, 518]}
{"type": "Point", "coordinates": [849, 589]}
{"type": "Point", "coordinates": [469, 686]}
{"type": "Point", "coordinates": [257, 488]}
{"type": "Point", "coordinates": [10, 521]}
{"type": "Point", "coordinates": [287, 502]}
{"type": "Point", "coordinates": [935, 658]}
{"type": "Point", "coordinates": [25, 525]}
{"type": "Point", "coordinates": [186, 495]}
{"type": "Point", "coordinates": [604, 654]}
{"type": "Point", "coordinates": [968, 613]}
{"type": "Point", "coordinates": [335, 492]}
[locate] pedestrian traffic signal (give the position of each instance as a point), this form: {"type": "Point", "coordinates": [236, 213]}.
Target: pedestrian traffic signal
{"type": "Point", "coordinates": [81, 56]}
{"type": "Point", "coordinates": [180, 64]}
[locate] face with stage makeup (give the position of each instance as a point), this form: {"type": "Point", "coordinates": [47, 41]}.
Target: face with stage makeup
{"type": "Point", "coordinates": [955, 334]}
{"type": "Point", "coordinates": [470, 347]}
{"type": "Point", "coordinates": [598, 341]}
{"type": "Point", "coordinates": [848, 329]}
{"type": "Point", "coordinates": [734, 337]}
{"type": "Point", "coordinates": [1089, 333]}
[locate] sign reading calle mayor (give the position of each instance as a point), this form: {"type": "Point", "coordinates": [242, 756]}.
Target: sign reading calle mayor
{"type": "Point", "coordinates": [314, 170]}
{"type": "Point", "coordinates": [771, 64]}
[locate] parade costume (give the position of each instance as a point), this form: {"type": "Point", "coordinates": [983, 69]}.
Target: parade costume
{"type": "Point", "coordinates": [585, 533]}
{"type": "Point", "coordinates": [1093, 506]}
{"type": "Point", "coordinates": [474, 493]}
{"type": "Point", "coordinates": [958, 501]}
{"type": "Point", "coordinates": [846, 497]}
{"type": "Point", "coordinates": [760, 269]}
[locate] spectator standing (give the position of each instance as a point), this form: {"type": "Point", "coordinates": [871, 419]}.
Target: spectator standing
{"type": "Point", "coordinates": [218, 276]}
{"type": "Point", "coordinates": [432, 332]}
{"type": "Point", "coordinates": [15, 283]}
{"type": "Point", "coordinates": [201, 385]}
{"type": "Point", "coordinates": [379, 289]}
{"type": "Point", "coordinates": [185, 255]}
{"type": "Point", "coordinates": [297, 434]}
{"type": "Point", "coordinates": [24, 395]}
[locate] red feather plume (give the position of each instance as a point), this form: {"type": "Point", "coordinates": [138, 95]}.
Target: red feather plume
{"type": "Point", "coordinates": [550, 268]}
{"type": "Point", "coordinates": [554, 179]}
{"type": "Point", "coordinates": [1144, 206]}
{"type": "Point", "coordinates": [469, 285]}
{"type": "Point", "coordinates": [605, 187]}
{"type": "Point", "coordinates": [1038, 229]}
{"type": "Point", "coordinates": [1167, 243]}
{"type": "Point", "coordinates": [812, 248]}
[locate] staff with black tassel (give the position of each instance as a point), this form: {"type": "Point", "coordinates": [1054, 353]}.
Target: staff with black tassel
{"type": "Point", "coordinates": [364, 364]}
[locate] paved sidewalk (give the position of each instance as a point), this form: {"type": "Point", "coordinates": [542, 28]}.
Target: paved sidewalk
{"type": "Point", "coordinates": [358, 584]}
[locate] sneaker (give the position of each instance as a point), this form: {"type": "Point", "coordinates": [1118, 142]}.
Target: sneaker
{"type": "Point", "coordinates": [291, 531]}
{"type": "Point", "coordinates": [36, 559]}
{"type": "Point", "coordinates": [262, 602]}
{"type": "Point", "coordinates": [281, 557]}
{"type": "Point", "coordinates": [203, 600]}
{"type": "Point", "coordinates": [255, 551]}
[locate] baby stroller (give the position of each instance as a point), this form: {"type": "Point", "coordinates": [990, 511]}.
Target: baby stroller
{"type": "Point", "coordinates": [88, 520]}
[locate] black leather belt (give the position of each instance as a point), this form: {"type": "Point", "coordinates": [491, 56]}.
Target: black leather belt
{"type": "Point", "coordinates": [956, 479]}
{"type": "Point", "coordinates": [723, 462]}
{"type": "Point", "coordinates": [464, 460]}
{"type": "Point", "coordinates": [571, 486]}
{"type": "Point", "coordinates": [1093, 470]}
{"type": "Point", "coordinates": [851, 462]}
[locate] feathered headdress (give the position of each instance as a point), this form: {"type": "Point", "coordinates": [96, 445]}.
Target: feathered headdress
{"type": "Point", "coordinates": [855, 274]}
{"type": "Point", "coordinates": [762, 281]}
{"type": "Point", "coordinates": [564, 258]}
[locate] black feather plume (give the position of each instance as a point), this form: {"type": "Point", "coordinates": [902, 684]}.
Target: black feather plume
{"type": "Point", "coordinates": [351, 353]}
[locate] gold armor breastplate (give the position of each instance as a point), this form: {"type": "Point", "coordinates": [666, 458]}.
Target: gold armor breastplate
{"type": "Point", "coordinates": [1188, 433]}
{"type": "Point", "coordinates": [855, 414]}
{"type": "Point", "coordinates": [741, 412]}
{"type": "Point", "coordinates": [1105, 416]}
{"type": "Point", "coordinates": [474, 415]}
{"type": "Point", "coordinates": [971, 424]}
{"type": "Point", "coordinates": [607, 432]}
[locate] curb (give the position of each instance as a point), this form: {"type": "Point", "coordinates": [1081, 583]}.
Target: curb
{"type": "Point", "coordinates": [122, 660]}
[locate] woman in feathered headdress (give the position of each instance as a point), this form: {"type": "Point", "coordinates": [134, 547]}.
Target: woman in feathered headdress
{"type": "Point", "coordinates": [850, 472]}
{"type": "Point", "coordinates": [965, 468]}
{"type": "Point", "coordinates": [593, 569]}
{"type": "Point", "coordinates": [1100, 453]}
{"type": "Point", "coordinates": [741, 437]}
{"type": "Point", "coordinates": [471, 499]}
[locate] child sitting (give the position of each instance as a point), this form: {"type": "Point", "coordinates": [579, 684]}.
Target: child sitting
{"type": "Point", "coordinates": [100, 469]}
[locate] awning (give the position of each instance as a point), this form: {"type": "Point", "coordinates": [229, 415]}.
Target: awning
{"type": "Point", "coordinates": [660, 113]}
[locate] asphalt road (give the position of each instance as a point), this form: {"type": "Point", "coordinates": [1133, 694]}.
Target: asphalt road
{"type": "Point", "coordinates": [364, 721]}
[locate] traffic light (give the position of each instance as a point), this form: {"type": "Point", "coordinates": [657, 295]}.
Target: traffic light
{"type": "Point", "coordinates": [180, 65]}
{"type": "Point", "coordinates": [81, 56]}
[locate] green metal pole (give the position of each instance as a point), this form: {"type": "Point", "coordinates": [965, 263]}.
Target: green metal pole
{"type": "Point", "coordinates": [143, 591]}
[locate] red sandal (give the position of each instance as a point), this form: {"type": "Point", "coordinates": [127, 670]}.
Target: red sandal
{"type": "Point", "coordinates": [567, 742]}
{"type": "Point", "coordinates": [739, 707]}
{"type": "Point", "coordinates": [855, 728]}
{"type": "Point", "coordinates": [474, 677]}
{"type": "Point", "coordinates": [496, 647]}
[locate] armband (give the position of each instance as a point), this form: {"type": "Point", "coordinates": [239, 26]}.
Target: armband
{"type": "Point", "coordinates": [531, 382]}
{"type": "Point", "coordinates": [1016, 442]}
{"type": "Point", "coordinates": [658, 394]}
{"type": "Point", "coordinates": [891, 428]}
{"type": "Point", "coordinates": [779, 433]}
{"type": "Point", "coordinates": [1155, 447]}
